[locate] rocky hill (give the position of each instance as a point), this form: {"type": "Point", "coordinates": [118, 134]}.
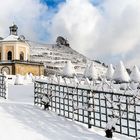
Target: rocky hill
{"type": "Point", "coordinates": [54, 57]}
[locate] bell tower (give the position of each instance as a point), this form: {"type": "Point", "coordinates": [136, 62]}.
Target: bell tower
{"type": "Point", "coordinates": [13, 29]}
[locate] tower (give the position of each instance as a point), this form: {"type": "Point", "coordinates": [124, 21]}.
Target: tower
{"type": "Point", "coordinates": [14, 47]}
{"type": "Point", "coordinates": [13, 29]}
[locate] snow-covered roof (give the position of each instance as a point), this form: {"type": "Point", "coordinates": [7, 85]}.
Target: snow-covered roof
{"type": "Point", "coordinates": [11, 38]}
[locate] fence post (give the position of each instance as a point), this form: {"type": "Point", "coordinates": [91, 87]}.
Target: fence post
{"type": "Point", "coordinates": [135, 117]}
{"type": "Point", "coordinates": [89, 106]}
{"type": "Point", "coordinates": [34, 92]}
{"type": "Point", "coordinates": [6, 87]}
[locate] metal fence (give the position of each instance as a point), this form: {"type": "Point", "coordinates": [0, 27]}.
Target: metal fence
{"type": "Point", "coordinates": [3, 86]}
{"type": "Point", "coordinates": [92, 107]}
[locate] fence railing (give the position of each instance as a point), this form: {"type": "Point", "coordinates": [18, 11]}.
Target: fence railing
{"type": "Point", "coordinates": [3, 86]}
{"type": "Point", "coordinates": [91, 107]}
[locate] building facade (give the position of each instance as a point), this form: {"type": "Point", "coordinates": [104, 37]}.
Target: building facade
{"type": "Point", "coordinates": [15, 55]}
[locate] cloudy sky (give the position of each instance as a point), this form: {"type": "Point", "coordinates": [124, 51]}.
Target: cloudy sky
{"type": "Point", "coordinates": [106, 30]}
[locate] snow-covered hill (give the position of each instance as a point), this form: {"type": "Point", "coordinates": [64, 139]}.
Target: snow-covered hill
{"type": "Point", "coordinates": [55, 56]}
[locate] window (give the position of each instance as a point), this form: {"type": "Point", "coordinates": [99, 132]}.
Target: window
{"type": "Point", "coordinates": [21, 56]}
{"type": "Point", "coordinates": [9, 55]}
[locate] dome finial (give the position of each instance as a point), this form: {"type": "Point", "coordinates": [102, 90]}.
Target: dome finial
{"type": "Point", "coordinates": [13, 29]}
{"type": "Point", "coordinates": [13, 23]}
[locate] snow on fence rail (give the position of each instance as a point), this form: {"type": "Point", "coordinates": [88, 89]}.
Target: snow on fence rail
{"type": "Point", "coordinates": [3, 86]}
{"type": "Point", "coordinates": [91, 107]}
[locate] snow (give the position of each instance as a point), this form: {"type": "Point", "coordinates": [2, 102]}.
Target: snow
{"type": "Point", "coordinates": [60, 79]}
{"type": "Point", "coordinates": [76, 81]}
{"type": "Point", "coordinates": [4, 73]}
{"type": "Point", "coordinates": [54, 58]}
{"type": "Point", "coordinates": [120, 73]}
{"type": "Point", "coordinates": [111, 123]}
{"type": "Point", "coordinates": [92, 72]}
{"type": "Point", "coordinates": [19, 79]}
{"type": "Point", "coordinates": [87, 82]}
{"type": "Point", "coordinates": [45, 99]}
{"type": "Point", "coordinates": [135, 74]}
{"type": "Point", "coordinates": [11, 38]}
{"type": "Point", "coordinates": [21, 120]}
{"type": "Point", "coordinates": [54, 79]}
{"type": "Point", "coordinates": [86, 70]}
{"type": "Point", "coordinates": [39, 125]}
{"type": "Point", "coordinates": [110, 72]}
{"type": "Point", "coordinates": [28, 78]}
{"type": "Point", "coordinates": [68, 70]}
{"type": "Point", "coordinates": [134, 85]}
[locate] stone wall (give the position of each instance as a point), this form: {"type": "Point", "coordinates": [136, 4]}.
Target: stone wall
{"type": "Point", "coordinates": [29, 68]}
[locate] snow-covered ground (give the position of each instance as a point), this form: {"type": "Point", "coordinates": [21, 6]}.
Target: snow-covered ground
{"type": "Point", "coordinates": [21, 120]}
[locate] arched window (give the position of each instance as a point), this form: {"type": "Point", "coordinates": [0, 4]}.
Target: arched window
{"type": "Point", "coordinates": [9, 55]}
{"type": "Point", "coordinates": [21, 56]}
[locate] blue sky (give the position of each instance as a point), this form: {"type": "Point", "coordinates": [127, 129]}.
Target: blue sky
{"type": "Point", "coordinates": [52, 3]}
{"type": "Point", "coordinates": [55, 3]}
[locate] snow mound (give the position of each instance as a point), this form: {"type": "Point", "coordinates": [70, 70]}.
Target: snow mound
{"type": "Point", "coordinates": [135, 74]}
{"type": "Point", "coordinates": [92, 72]}
{"type": "Point", "coordinates": [68, 70]}
{"type": "Point", "coordinates": [19, 80]}
{"type": "Point", "coordinates": [120, 73]}
{"type": "Point", "coordinates": [31, 75]}
{"type": "Point", "coordinates": [27, 78]}
{"type": "Point", "coordinates": [110, 72]}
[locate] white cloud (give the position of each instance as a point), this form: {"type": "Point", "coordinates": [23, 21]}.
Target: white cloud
{"type": "Point", "coordinates": [76, 20]}
{"type": "Point", "coordinates": [109, 31]}
{"type": "Point", "coordinates": [24, 13]}
{"type": "Point", "coordinates": [120, 26]}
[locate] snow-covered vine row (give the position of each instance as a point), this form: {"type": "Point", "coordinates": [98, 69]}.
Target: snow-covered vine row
{"type": "Point", "coordinates": [96, 103]}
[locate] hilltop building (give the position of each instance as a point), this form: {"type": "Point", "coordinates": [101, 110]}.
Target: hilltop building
{"type": "Point", "coordinates": [15, 55]}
